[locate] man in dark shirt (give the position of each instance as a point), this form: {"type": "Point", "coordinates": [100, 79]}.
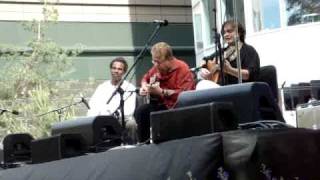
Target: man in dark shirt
{"type": "Point", "coordinates": [167, 78]}
{"type": "Point", "coordinates": [250, 62]}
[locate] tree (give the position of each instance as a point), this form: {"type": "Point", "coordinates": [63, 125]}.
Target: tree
{"type": "Point", "coordinates": [298, 8]}
{"type": "Point", "coordinates": [27, 77]}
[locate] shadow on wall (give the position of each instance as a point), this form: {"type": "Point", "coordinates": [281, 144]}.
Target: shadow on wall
{"type": "Point", "coordinates": [179, 36]}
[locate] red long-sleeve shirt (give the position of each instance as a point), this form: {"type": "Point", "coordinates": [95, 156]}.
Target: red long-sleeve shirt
{"type": "Point", "coordinates": [179, 78]}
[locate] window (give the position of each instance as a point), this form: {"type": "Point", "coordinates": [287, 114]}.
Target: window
{"type": "Point", "coordinates": [266, 14]}
{"type": "Point", "coordinates": [198, 31]}
{"type": "Point", "coordinates": [302, 11]}
{"type": "Point", "coordinates": [231, 10]}
{"type": "Point", "coordinates": [204, 23]}
{"type": "Point", "coordinates": [210, 18]}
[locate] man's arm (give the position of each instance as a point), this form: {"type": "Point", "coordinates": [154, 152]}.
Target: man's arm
{"type": "Point", "coordinates": [144, 90]}
{"type": "Point", "coordinates": [94, 102]}
{"type": "Point", "coordinates": [185, 81]}
{"type": "Point", "coordinates": [234, 71]}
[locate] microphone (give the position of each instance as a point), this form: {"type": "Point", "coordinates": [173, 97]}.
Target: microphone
{"type": "Point", "coordinates": [137, 90]}
{"type": "Point", "coordinates": [85, 102]}
{"type": "Point", "coordinates": [15, 112]}
{"type": "Point", "coordinates": [6, 110]}
{"type": "Point", "coordinates": [195, 69]}
{"type": "Point", "coordinates": [206, 58]}
{"type": "Point", "coordinates": [282, 85]}
{"type": "Point", "coordinates": [213, 55]}
{"type": "Point", "coordinates": [161, 22]}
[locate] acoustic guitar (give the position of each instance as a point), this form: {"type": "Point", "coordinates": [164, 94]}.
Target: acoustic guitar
{"type": "Point", "coordinates": [152, 83]}
{"type": "Point", "coordinates": [213, 66]}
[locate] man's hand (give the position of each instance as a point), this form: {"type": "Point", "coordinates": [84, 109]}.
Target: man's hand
{"type": "Point", "coordinates": [212, 67]}
{"type": "Point", "coordinates": [155, 89]}
{"type": "Point", "coordinates": [227, 67]}
{"type": "Point", "coordinates": [144, 90]}
{"type": "Point", "coordinates": [204, 73]}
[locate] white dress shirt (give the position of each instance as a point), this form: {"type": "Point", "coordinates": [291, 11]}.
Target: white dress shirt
{"type": "Point", "coordinates": [98, 101]}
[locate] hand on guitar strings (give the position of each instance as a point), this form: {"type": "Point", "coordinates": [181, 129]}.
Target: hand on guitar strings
{"type": "Point", "coordinates": [212, 67]}
{"type": "Point", "coordinates": [227, 67]}
{"type": "Point", "coordinates": [153, 89]}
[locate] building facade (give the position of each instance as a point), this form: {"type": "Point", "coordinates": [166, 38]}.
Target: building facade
{"type": "Point", "coordinates": [105, 28]}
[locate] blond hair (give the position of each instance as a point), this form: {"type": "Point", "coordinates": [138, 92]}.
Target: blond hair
{"type": "Point", "coordinates": [162, 50]}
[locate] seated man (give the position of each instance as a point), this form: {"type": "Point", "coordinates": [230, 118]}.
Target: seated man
{"type": "Point", "coordinates": [98, 102]}
{"type": "Point", "coordinates": [250, 62]}
{"type": "Point", "coordinates": [167, 78]}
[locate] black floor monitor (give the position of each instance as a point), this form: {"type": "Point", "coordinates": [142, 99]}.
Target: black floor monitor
{"type": "Point", "coordinates": [96, 130]}
{"type": "Point", "coordinates": [252, 101]}
{"type": "Point", "coordinates": [192, 121]}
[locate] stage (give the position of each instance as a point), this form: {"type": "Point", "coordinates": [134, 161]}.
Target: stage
{"type": "Point", "coordinates": [240, 154]}
{"type": "Point", "coordinates": [169, 160]}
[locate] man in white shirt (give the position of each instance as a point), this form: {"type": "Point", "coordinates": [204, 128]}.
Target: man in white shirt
{"type": "Point", "coordinates": [98, 101]}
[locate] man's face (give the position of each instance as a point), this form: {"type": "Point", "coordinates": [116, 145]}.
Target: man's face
{"type": "Point", "coordinates": [117, 71]}
{"type": "Point", "coordinates": [229, 34]}
{"type": "Point", "coordinates": [159, 63]}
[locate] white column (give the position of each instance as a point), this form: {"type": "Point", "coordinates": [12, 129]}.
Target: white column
{"type": "Point", "coordinates": [283, 13]}
{"type": "Point", "coordinates": [248, 15]}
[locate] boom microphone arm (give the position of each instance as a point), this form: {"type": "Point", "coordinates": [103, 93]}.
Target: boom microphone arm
{"type": "Point", "coordinates": [137, 59]}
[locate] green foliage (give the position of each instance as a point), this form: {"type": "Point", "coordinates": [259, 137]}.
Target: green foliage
{"type": "Point", "coordinates": [24, 70]}
{"type": "Point", "coordinates": [298, 8]}
{"type": "Point", "coordinates": [32, 118]}
{"type": "Point", "coordinates": [27, 79]}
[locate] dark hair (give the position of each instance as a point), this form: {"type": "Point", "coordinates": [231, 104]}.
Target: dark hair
{"type": "Point", "coordinates": [121, 60]}
{"type": "Point", "coordinates": [241, 30]}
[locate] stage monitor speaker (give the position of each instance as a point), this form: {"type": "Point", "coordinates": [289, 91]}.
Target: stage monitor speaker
{"type": "Point", "coordinates": [252, 101]}
{"type": "Point", "coordinates": [96, 130]}
{"type": "Point", "coordinates": [304, 92]}
{"type": "Point", "coordinates": [315, 89]}
{"type": "Point", "coordinates": [192, 121]}
{"type": "Point", "coordinates": [57, 147]}
{"type": "Point", "coordinates": [291, 98]}
{"type": "Point", "coordinates": [17, 148]}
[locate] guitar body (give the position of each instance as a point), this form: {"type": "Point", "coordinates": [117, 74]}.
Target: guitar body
{"type": "Point", "coordinates": [229, 54]}
{"type": "Point", "coordinates": [152, 83]}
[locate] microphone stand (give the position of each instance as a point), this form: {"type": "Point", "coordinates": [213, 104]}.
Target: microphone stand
{"type": "Point", "coordinates": [136, 60]}
{"type": "Point", "coordinates": [2, 111]}
{"type": "Point", "coordinates": [60, 111]}
{"type": "Point", "coordinates": [234, 2]}
{"type": "Point", "coordinates": [218, 49]}
{"type": "Point", "coordinates": [121, 92]}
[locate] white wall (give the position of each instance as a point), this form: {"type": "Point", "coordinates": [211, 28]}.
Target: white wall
{"type": "Point", "coordinates": [295, 51]}
{"type": "Point", "coordinates": [101, 10]}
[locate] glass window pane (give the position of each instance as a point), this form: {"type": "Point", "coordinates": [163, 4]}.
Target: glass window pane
{"type": "Point", "coordinates": [271, 14]}
{"type": "Point", "coordinates": [257, 15]}
{"type": "Point", "coordinates": [266, 14]}
{"type": "Point", "coordinates": [210, 19]}
{"type": "Point", "coordinates": [198, 31]}
{"type": "Point", "coordinates": [302, 11]}
{"type": "Point", "coordinates": [228, 9]}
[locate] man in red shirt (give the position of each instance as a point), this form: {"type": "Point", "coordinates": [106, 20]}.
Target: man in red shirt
{"type": "Point", "coordinates": [167, 78]}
